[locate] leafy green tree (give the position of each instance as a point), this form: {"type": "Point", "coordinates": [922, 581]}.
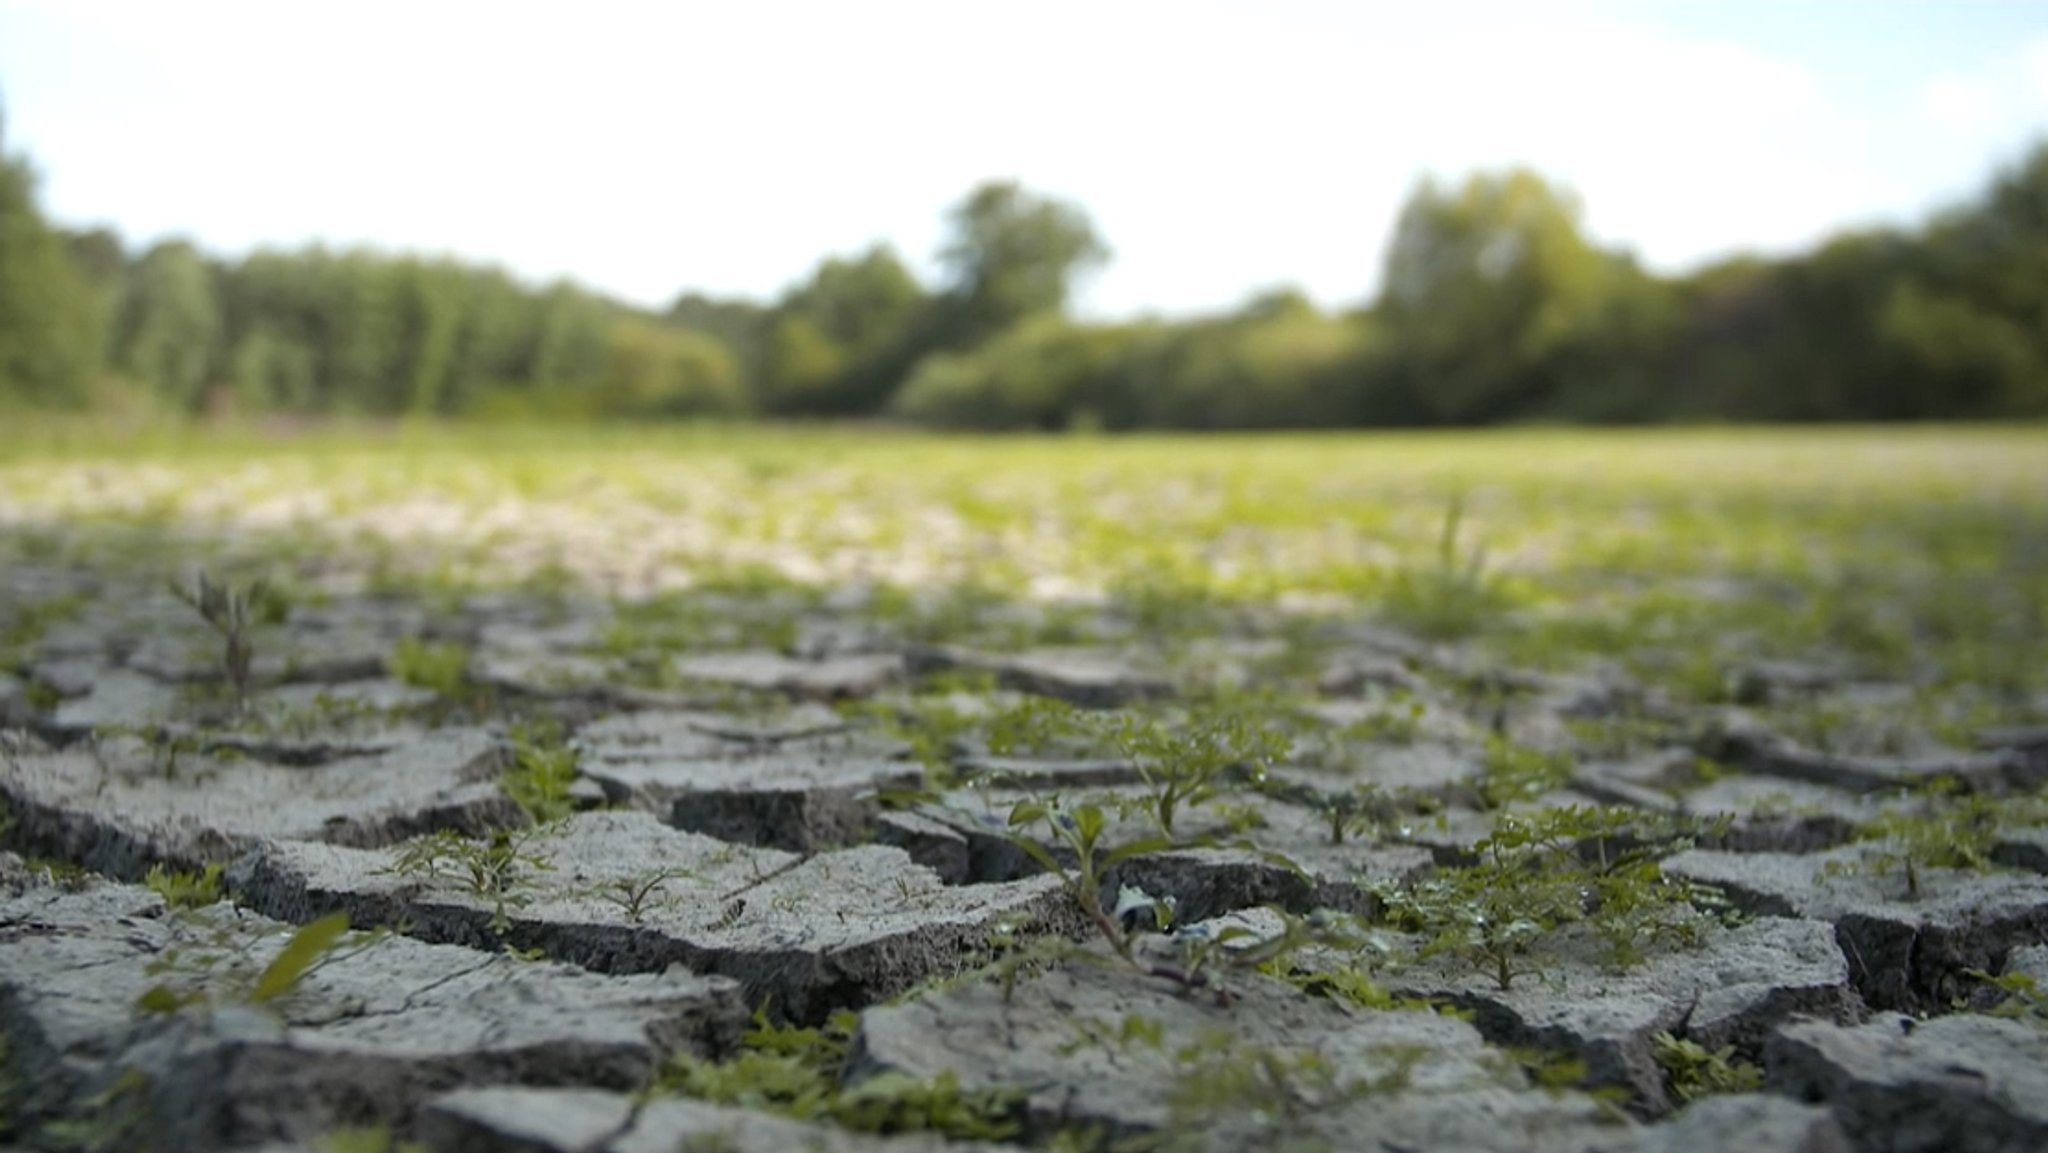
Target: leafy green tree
{"type": "Point", "coordinates": [1955, 358]}
{"type": "Point", "coordinates": [1012, 254]}
{"type": "Point", "coordinates": [49, 324]}
{"type": "Point", "coordinates": [571, 344]}
{"type": "Point", "coordinates": [171, 323]}
{"type": "Point", "coordinates": [491, 351]}
{"type": "Point", "coordinates": [842, 341]}
{"type": "Point", "coordinates": [365, 330]}
{"type": "Point", "coordinates": [1278, 363]}
{"type": "Point", "coordinates": [1486, 284]}
{"type": "Point", "coordinates": [1043, 373]}
{"type": "Point", "coordinates": [656, 370]}
{"type": "Point", "coordinates": [740, 325]}
{"type": "Point", "coordinates": [272, 371]}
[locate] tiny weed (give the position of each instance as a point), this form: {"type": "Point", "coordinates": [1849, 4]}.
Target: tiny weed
{"type": "Point", "coordinates": [2023, 998]}
{"type": "Point", "coordinates": [799, 1071]}
{"type": "Point", "coordinates": [1694, 1071]}
{"type": "Point", "coordinates": [1950, 830]}
{"type": "Point", "coordinates": [1515, 772]}
{"type": "Point", "coordinates": [496, 868]}
{"type": "Point", "coordinates": [1452, 599]}
{"type": "Point", "coordinates": [1187, 767]}
{"type": "Point", "coordinates": [233, 611]}
{"type": "Point", "coordinates": [632, 894]}
{"type": "Point", "coordinates": [1079, 826]}
{"type": "Point", "coordinates": [542, 772]}
{"type": "Point", "coordinates": [440, 668]}
{"type": "Point", "coordinates": [219, 967]}
{"type": "Point", "coordinates": [182, 890]}
{"type": "Point", "coordinates": [1534, 874]}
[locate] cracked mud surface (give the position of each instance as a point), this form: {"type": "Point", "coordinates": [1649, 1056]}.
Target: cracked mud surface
{"type": "Point", "coordinates": [782, 867]}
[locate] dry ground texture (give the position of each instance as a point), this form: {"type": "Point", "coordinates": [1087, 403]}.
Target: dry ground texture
{"type": "Point", "coordinates": [730, 789]}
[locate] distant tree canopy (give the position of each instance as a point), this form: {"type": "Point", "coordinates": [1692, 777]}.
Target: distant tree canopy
{"type": "Point", "coordinates": [1494, 306]}
{"type": "Point", "coordinates": [50, 324]}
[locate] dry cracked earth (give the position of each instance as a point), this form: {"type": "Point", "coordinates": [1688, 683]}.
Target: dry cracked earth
{"type": "Point", "coordinates": [588, 911]}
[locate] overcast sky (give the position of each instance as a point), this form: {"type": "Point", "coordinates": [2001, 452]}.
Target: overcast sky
{"type": "Point", "coordinates": [1221, 148]}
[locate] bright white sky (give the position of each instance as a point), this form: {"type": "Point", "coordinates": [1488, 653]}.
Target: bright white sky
{"type": "Point", "coordinates": [1221, 148]}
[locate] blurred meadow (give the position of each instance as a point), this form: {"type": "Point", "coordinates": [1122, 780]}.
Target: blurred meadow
{"type": "Point", "coordinates": [1916, 557]}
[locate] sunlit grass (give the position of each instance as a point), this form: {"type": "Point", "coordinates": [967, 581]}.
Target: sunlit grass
{"type": "Point", "coordinates": [1914, 552]}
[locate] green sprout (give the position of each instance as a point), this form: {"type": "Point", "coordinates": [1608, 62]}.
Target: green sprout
{"type": "Point", "coordinates": [182, 890]}
{"type": "Point", "coordinates": [800, 1072]}
{"type": "Point", "coordinates": [1456, 597]}
{"type": "Point", "coordinates": [233, 611]}
{"type": "Point", "coordinates": [219, 966]}
{"type": "Point", "coordinates": [495, 868]}
{"type": "Point", "coordinates": [1696, 1071]}
{"type": "Point", "coordinates": [543, 771]}
{"type": "Point", "coordinates": [441, 668]}
{"type": "Point", "coordinates": [1538, 872]}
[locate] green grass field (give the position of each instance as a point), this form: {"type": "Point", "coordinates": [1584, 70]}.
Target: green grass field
{"type": "Point", "coordinates": [1916, 554]}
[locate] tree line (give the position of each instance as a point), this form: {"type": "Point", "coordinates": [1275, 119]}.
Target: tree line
{"type": "Point", "coordinates": [1494, 306]}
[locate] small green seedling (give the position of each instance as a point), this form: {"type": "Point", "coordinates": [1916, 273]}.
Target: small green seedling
{"type": "Point", "coordinates": [1187, 767]}
{"type": "Point", "coordinates": [632, 894]}
{"type": "Point", "coordinates": [233, 611]}
{"type": "Point", "coordinates": [1538, 872]}
{"type": "Point", "coordinates": [1516, 772]}
{"type": "Point", "coordinates": [2021, 996]}
{"type": "Point", "coordinates": [1951, 829]}
{"type": "Point", "coordinates": [1079, 827]}
{"type": "Point", "coordinates": [1452, 599]}
{"type": "Point", "coordinates": [1695, 1071]}
{"type": "Point", "coordinates": [219, 966]}
{"type": "Point", "coordinates": [800, 1072]}
{"type": "Point", "coordinates": [543, 771]}
{"type": "Point", "coordinates": [182, 890]}
{"type": "Point", "coordinates": [496, 868]}
{"type": "Point", "coordinates": [439, 668]}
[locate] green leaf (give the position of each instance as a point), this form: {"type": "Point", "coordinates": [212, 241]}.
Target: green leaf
{"type": "Point", "coordinates": [1025, 812]}
{"type": "Point", "coordinates": [1088, 821]}
{"type": "Point", "coordinates": [1037, 852]}
{"type": "Point", "coordinates": [299, 955]}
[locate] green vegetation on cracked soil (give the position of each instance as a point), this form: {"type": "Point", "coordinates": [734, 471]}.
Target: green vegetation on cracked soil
{"type": "Point", "coordinates": [1241, 574]}
{"type": "Point", "coordinates": [1902, 553]}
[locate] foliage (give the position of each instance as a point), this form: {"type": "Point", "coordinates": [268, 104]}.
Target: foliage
{"type": "Point", "coordinates": [233, 611]}
{"type": "Point", "coordinates": [1453, 598]}
{"type": "Point", "coordinates": [495, 868]}
{"type": "Point", "coordinates": [1078, 827]}
{"type": "Point", "coordinates": [1695, 1071]}
{"type": "Point", "coordinates": [442, 668]}
{"type": "Point", "coordinates": [182, 890]}
{"type": "Point", "coordinates": [1537, 873]}
{"type": "Point", "coordinates": [1516, 772]}
{"type": "Point", "coordinates": [1947, 829]}
{"type": "Point", "coordinates": [1495, 306]}
{"type": "Point", "coordinates": [542, 773]}
{"type": "Point", "coordinates": [2020, 996]}
{"type": "Point", "coordinates": [50, 323]}
{"type": "Point", "coordinates": [798, 1071]}
{"type": "Point", "coordinates": [218, 966]}
{"type": "Point", "coordinates": [1012, 254]}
